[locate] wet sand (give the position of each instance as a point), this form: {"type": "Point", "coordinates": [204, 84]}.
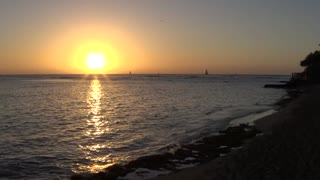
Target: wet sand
{"type": "Point", "coordinates": [288, 149]}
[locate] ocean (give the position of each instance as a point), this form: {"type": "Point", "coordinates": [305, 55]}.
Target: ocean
{"type": "Point", "coordinates": [52, 126]}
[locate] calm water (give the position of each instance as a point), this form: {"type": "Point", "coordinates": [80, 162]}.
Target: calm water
{"type": "Point", "coordinates": [53, 126]}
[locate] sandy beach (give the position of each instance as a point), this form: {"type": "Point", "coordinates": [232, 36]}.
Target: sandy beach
{"type": "Point", "coordinates": [288, 149]}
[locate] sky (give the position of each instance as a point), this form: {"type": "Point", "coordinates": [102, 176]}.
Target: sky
{"type": "Point", "coordinates": [157, 36]}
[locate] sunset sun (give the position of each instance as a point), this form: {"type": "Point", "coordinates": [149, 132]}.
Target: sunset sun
{"type": "Point", "coordinates": [96, 61]}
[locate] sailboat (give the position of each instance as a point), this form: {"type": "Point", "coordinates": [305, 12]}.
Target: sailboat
{"type": "Point", "coordinates": [206, 73]}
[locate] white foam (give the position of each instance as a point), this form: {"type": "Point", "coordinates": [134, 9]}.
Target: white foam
{"type": "Point", "coordinates": [251, 118]}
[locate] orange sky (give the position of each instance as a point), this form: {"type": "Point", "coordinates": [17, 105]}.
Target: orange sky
{"type": "Point", "coordinates": [153, 37]}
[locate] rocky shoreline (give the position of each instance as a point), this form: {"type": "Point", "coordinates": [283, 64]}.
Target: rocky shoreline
{"type": "Point", "coordinates": [196, 153]}
{"type": "Point", "coordinates": [200, 152]}
{"type": "Point", "coordinates": [289, 148]}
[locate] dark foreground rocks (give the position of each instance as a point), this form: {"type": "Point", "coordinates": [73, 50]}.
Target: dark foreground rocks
{"type": "Point", "coordinates": [199, 152]}
{"type": "Point", "coordinates": [288, 150]}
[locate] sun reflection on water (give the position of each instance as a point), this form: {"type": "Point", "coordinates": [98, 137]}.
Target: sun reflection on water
{"type": "Point", "coordinates": [95, 119]}
{"type": "Point", "coordinates": [97, 126]}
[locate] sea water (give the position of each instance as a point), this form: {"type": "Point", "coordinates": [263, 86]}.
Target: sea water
{"type": "Point", "coordinates": [52, 126]}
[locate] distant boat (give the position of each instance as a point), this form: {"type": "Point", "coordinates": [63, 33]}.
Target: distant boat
{"type": "Point", "coordinates": [206, 73]}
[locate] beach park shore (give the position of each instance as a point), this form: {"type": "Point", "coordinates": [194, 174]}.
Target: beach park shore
{"type": "Point", "coordinates": [288, 149]}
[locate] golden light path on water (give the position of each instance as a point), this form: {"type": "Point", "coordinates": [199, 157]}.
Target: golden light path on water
{"type": "Point", "coordinates": [98, 126]}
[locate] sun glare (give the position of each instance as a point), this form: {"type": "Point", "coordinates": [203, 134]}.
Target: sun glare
{"type": "Point", "coordinates": [96, 61]}
{"type": "Point", "coordinates": [95, 57]}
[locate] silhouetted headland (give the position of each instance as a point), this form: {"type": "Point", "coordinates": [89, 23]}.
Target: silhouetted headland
{"type": "Point", "coordinates": [310, 75]}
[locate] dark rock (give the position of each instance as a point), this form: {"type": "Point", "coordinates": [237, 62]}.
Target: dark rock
{"type": "Point", "coordinates": [206, 150]}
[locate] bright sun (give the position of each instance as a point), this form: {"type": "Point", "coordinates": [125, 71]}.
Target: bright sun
{"type": "Point", "coordinates": [96, 61]}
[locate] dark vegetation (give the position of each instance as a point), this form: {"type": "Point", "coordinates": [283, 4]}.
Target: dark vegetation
{"type": "Point", "coordinates": [312, 66]}
{"type": "Point", "coordinates": [309, 76]}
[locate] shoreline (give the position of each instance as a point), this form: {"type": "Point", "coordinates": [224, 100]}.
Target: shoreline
{"type": "Point", "coordinates": [233, 137]}
{"type": "Point", "coordinates": [182, 157]}
{"type": "Point", "coordinates": [288, 148]}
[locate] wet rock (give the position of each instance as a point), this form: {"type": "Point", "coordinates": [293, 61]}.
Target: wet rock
{"type": "Point", "coordinates": [207, 149]}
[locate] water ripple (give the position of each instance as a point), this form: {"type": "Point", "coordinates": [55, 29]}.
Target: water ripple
{"type": "Point", "coordinates": [55, 127]}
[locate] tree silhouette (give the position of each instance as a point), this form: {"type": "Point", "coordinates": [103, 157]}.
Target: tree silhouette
{"type": "Point", "coordinates": [312, 66]}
